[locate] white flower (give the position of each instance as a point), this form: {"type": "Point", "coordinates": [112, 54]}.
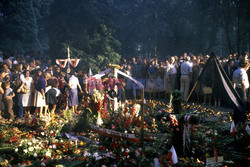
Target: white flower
{"type": "Point", "coordinates": [25, 150]}
{"type": "Point", "coordinates": [31, 149]}
{"type": "Point", "coordinates": [122, 149]}
{"type": "Point", "coordinates": [125, 131]}
{"type": "Point", "coordinates": [42, 133]}
{"type": "Point", "coordinates": [43, 164]}
{"type": "Point", "coordinates": [37, 147]}
{"type": "Point", "coordinates": [29, 143]}
{"type": "Point", "coordinates": [98, 158]}
{"type": "Point", "coordinates": [16, 149]}
{"type": "Point", "coordinates": [95, 154]}
{"type": "Point", "coordinates": [48, 153]}
{"type": "Point", "coordinates": [99, 121]}
{"type": "Point", "coordinates": [127, 114]}
{"type": "Point", "coordinates": [86, 154]}
{"type": "Point", "coordinates": [54, 146]}
{"type": "Point", "coordinates": [104, 166]}
{"type": "Point", "coordinates": [127, 150]}
{"type": "Point", "coordinates": [35, 155]}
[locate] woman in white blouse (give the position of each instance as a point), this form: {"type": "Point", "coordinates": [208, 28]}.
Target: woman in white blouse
{"type": "Point", "coordinates": [73, 92]}
{"type": "Point", "coordinates": [27, 97]}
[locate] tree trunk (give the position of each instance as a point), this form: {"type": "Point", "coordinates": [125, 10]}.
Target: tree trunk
{"type": "Point", "coordinates": [201, 31]}
{"type": "Point", "coordinates": [238, 25]}
{"type": "Point", "coordinates": [214, 26]}
{"type": "Point", "coordinates": [225, 25]}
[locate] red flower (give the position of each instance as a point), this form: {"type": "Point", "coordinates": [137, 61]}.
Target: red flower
{"type": "Point", "coordinates": [137, 141]}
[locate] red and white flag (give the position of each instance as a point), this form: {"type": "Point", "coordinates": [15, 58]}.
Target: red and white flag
{"type": "Point", "coordinates": [62, 62]}
{"type": "Point", "coordinates": [74, 62]}
{"type": "Point", "coordinates": [233, 129]}
{"type": "Point", "coordinates": [173, 156]}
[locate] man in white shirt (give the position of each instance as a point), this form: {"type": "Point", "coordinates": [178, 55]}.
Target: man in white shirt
{"type": "Point", "coordinates": [186, 75]}
{"type": "Point", "coordinates": [241, 83]}
{"type": "Point", "coordinates": [172, 73]}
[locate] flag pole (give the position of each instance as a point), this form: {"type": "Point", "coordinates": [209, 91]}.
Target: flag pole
{"type": "Point", "coordinates": [191, 91]}
{"type": "Point", "coordinates": [68, 59]}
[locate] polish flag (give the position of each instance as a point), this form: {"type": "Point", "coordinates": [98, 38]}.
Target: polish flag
{"type": "Point", "coordinates": [173, 156]}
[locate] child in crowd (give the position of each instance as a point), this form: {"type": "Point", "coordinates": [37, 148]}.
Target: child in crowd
{"type": "Point", "coordinates": [8, 95]}
{"type": "Point", "coordinates": [52, 94]}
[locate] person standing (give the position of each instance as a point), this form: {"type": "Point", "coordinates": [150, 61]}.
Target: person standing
{"type": "Point", "coordinates": [73, 92]}
{"type": "Point", "coordinates": [186, 75]}
{"type": "Point", "coordinates": [39, 96]}
{"type": "Point", "coordinates": [8, 95]}
{"type": "Point", "coordinates": [172, 77]}
{"type": "Point", "coordinates": [18, 85]}
{"type": "Point", "coordinates": [229, 68]}
{"type": "Point", "coordinates": [2, 75]}
{"type": "Point", "coordinates": [27, 97]}
{"type": "Point", "coordinates": [241, 83]}
{"type": "Point", "coordinates": [52, 94]}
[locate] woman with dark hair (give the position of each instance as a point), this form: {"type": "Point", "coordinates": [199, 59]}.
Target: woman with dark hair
{"type": "Point", "coordinates": [27, 97]}
{"type": "Point", "coordinates": [39, 96]}
{"type": "Point", "coordinates": [73, 92]}
{"type": "Point", "coordinates": [52, 94]}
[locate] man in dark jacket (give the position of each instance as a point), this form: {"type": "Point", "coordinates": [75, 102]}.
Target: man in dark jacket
{"type": "Point", "coordinates": [229, 68]}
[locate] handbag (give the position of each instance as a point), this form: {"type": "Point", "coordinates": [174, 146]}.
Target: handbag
{"type": "Point", "coordinates": [25, 89]}
{"type": "Point", "coordinates": [207, 90]}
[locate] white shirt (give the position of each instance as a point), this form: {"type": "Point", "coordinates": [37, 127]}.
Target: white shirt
{"type": "Point", "coordinates": [8, 92]}
{"type": "Point", "coordinates": [28, 83]}
{"type": "Point", "coordinates": [186, 68]}
{"type": "Point", "coordinates": [73, 82]}
{"type": "Point", "coordinates": [172, 70]}
{"type": "Point", "coordinates": [240, 75]}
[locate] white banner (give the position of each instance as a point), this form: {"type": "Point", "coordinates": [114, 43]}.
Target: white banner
{"type": "Point", "coordinates": [112, 132]}
{"type": "Point", "coordinates": [124, 74]}
{"type": "Point", "coordinates": [99, 75]}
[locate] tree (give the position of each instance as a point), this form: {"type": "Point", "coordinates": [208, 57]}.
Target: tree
{"type": "Point", "coordinates": [18, 26]}
{"type": "Point", "coordinates": [84, 26]}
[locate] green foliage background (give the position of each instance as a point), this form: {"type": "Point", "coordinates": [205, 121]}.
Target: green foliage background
{"type": "Point", "coordinates": [101, 32]}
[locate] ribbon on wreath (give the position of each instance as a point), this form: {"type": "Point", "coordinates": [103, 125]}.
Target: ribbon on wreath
{"type": "Point", "coordinates": [186, 134]}
{"type": "Point", "coordinates": [215, 154]}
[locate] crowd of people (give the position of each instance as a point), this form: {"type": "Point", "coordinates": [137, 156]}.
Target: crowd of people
{"type": "Point", "coordinates": [27, 83]}
{"type": "Point", "coordinates": [160, 78]}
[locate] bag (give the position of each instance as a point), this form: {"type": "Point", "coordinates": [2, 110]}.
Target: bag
{"type": "Point", "coordinates": [17, 82]}
{"type": "Point", "coordinates": [25, 89]}
{"type": "Point", "coordinates": [207, 90]}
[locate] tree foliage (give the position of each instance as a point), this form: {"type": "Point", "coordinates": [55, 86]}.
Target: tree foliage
{"type": "Point", "coordinates": [18, 26]}
{"type": "Point", "coordinates": [99, 31]}
{"type": "Point", "coordinates": [84, 27]}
